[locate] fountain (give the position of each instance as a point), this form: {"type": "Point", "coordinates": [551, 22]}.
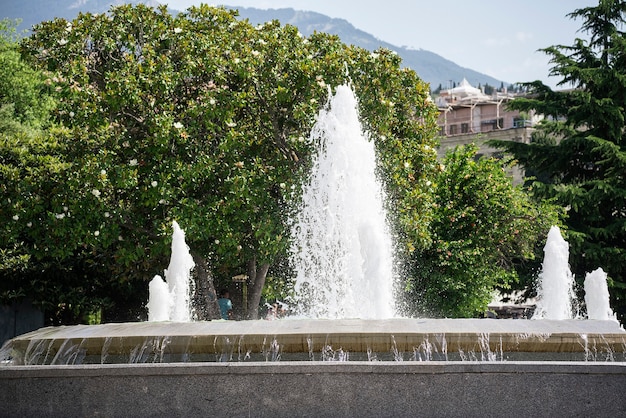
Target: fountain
{"type": "Point", "coordinates": [597, 296]}
{"type": "Point", "coordinates": [342, 249]}
{"type": "Point", "coordinates": [171, 301]}
{"type": "Point", "coordinates": [378, 366]}
{"type": "Point", "coordinates": [556, 297]}
{"type": "Point", "coordinates": [555, 294]}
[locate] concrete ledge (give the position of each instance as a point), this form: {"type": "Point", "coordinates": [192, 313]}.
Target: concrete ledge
{"type": "Point", "coordinates": [319, 389]}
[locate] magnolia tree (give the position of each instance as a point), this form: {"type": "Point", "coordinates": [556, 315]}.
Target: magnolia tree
{"type": "Point", "coordinates": [204, 119]}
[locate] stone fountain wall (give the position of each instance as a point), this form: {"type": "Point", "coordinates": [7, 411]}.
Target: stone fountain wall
{"type": "Point", "coordinates": [316, 389]}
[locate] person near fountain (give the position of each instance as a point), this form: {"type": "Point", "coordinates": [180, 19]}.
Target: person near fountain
{"type": "Point", "coordinates": [226, 306]}
{"type": "Point", "coordinates": [271, 312]}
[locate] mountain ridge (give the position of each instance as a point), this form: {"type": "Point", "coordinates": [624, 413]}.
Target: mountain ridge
{"type": "Point", "coordinates": [430, 66]}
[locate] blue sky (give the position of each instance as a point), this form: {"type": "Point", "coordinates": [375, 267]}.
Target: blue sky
{"type": "Point", "coordinates": [496, 37]}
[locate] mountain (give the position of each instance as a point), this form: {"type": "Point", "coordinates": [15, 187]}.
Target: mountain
{"type": "Point", "coordinates": [32, 12]}
{"type": "Point", "coordinates": [428, 65]}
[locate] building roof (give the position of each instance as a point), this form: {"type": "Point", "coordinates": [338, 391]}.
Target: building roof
{"type": "Point", "coordinates": [465, 89]}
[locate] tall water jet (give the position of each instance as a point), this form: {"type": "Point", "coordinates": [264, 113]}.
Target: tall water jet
{"type": "Point", "coordinates": [555, 293]}
{"type": "Point", "coordinates": [597, 296]}
{"type": "Point", "coordinates": [173, 302]}
{"type": "Point", "coordinates": [342, 248]}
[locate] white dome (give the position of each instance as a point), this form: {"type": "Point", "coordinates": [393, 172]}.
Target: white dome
{"type": "Point", "coordinates": [465, 89]}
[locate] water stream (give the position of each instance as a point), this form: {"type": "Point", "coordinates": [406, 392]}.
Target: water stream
{"type": "Point", "coordinates": [170, 300]}
{"type": "Point", "coordinates": [555, 293]}
{"type": "Point", "coordinates": [342, 249]}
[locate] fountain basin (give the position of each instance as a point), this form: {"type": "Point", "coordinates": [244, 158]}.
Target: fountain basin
{"type": "Point", "coordinates": [225, 386]}
{"type": "Point", "coordinates": [426, 339]}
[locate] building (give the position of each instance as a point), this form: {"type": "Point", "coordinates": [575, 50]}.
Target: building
{"type": "Point", "coordinates": [467, 115]}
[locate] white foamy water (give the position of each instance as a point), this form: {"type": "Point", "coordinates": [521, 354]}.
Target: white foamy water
{"type": "Point", "coordinates": [555, 293]}
{"type": "Point", "coordinates": [342, 249]}
{"type": "Point", "coordinates": [597, 296]}
{"type": "Point", "coordinates": [172, 300]}
{"type": "Point", "coordinates": [160, 300]}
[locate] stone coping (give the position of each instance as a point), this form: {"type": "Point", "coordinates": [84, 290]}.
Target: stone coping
{"type": "Point", "coordinates": [331, 326]}
{"type": "Point", "coordinates": [352, 335]}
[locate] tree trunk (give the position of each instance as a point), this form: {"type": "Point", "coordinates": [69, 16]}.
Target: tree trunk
{"type": "Point", "coordinates": [204, 297]}
{"type": "Point", "coordinates": [256, 278]}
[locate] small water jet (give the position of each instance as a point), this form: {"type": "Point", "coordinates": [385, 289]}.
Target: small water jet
{"type": "Point", "coordinates": [171, 301]}
{"type": "Point", "coordinates": [159, 301]}
{"type": "Point", "coordinates": [342, 249]}
{"type": "Point", "coordinates": [597, 296]}
{"type": "Point", "coordinates": [555, 293]}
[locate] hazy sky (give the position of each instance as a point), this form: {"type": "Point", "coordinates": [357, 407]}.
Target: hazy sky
{"type": "Point", "coordinates": [496, 37]}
